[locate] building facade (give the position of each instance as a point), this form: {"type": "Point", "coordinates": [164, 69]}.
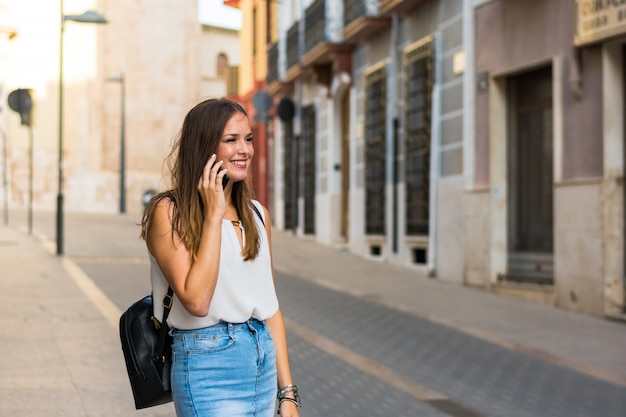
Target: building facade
{"type": "Point", "coordinates": [362, 163]}
{"type": "Point", "coordinates": [479, 142]}
{"type": "Point", "coordinates": [549, 150]}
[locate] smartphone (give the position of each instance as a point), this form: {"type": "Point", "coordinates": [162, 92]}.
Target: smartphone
{"type": "Point", "coordinates": [225, 179]}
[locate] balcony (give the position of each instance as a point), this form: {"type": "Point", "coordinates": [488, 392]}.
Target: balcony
{"type": "Point", "coordinates": [400, 7]}
{"type": "Point", "coordinates": [362, 20]}
{"type": "Point", "coordinates": [293, 52]}
{"type": "Point", "coordinates": [272, 63]}
{"type": "Point", "coordinates": [274, 84]}
{"type": "Point", "coordinates": [323, 37]}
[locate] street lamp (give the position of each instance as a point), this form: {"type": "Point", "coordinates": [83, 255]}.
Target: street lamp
{"type": "Point", "coordinates": [120, 79]}
{"type": "Point", "coordinates": [88, 17]}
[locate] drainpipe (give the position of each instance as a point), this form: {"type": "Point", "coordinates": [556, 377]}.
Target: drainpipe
{"type": "Point", "coordinates": [435, 156]}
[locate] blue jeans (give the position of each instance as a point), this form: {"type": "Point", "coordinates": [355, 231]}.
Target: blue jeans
{"type": "Point", "coordinates": [226, 370]}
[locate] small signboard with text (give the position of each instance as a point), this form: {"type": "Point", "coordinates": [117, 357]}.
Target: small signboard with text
{"type": "Point", "coordinates": [597, 20]}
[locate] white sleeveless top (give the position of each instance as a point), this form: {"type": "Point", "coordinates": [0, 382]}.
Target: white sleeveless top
{"type": "Point", "coordinates": [245, 289]}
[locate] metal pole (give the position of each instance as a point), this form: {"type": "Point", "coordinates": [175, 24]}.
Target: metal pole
{"type": "Point", "coordinates": [59, 222]}
{"type": "Point", "coordinates": [30, 180]}
{"type": "Point", "coordinates": [5, 181]}
{"type": "Point", "coordinates": [123, 146]}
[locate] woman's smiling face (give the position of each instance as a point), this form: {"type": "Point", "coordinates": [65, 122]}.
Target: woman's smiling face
{"type": "Point", "coordinates": [235, 148]}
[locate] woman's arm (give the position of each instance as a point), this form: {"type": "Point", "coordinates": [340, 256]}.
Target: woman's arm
{"type": "Point", "coordinates": [277, 329]}
{"type": "Point", "coordinates": [193, 281]}
{"type": "Point", "coordinates": [276, 325]}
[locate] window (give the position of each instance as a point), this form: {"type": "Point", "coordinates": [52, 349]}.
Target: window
{"type": "Point", "coordinates": [222, 65]}
{"type": "Point", "coordinates": [419, 74]}
{"type": "Point", "coordinates": [375, 150]}
{"type": "Point", "coordinates": [254, 32]}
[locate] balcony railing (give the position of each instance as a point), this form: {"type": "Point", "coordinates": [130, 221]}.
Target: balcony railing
{"type": "Point", "coordinates": [314, 24]}
{"type": "Point", "coordinates": [353, 9]}
{"type": "Point", "coordinates": [362, 20]}
{"type": "Point", "coordinates": [293, 53]}
{"type": "Point", "coordinates": [401, 7]}
{"type": "Point", "coordinates": [272, 63]}
{"type": "Point", "coordinates": [323, 23]}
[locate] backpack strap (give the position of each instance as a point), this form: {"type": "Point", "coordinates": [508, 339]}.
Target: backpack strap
{"type": "Point", "coordinates": [159, 355]}
{"type": "Point", "coordinates": [258, 212]}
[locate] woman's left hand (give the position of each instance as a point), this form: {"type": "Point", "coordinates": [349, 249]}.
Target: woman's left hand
{"type": "Point", "coordinates": [288, 409]}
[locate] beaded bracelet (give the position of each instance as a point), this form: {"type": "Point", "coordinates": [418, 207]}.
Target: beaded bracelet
{"type": "Point", "coordinates": [290, 400]}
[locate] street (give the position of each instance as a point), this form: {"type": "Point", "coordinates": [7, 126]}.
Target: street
{"type": "Point", "coordinates": [352, 356]}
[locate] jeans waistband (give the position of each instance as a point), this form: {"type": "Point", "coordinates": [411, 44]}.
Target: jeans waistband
{"type": "Point", "coordinates": [252, 323]}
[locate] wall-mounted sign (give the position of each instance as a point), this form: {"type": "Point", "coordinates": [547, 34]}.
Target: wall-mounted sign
{"type": "Point", "coordinates": [597, 20]}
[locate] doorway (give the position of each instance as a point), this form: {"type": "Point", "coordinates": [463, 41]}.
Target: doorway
{"type": "Point", "coordinates": [308, 167]}
{"type": "Point", "coordinates": [290, 175]}
{"type": "Point", "coordinates": [531, 179]}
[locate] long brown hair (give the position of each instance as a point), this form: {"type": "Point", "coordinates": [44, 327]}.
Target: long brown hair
{"type": "Point", "coordinates": [199, 138]}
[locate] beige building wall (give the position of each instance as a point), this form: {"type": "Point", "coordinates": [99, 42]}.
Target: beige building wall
{"type": "Point", "coordinates": [162, 51]}
{"type": "Point", "coordinates": [253, 44]}
{"type": "Point", "coordinates": [246, 34]}
{"type": "Point", "coordinates": [217, 41]}
{"type": "Point", "coordinates": [613, 178]}
{"type": "Point", "coordinates": [8, 32]}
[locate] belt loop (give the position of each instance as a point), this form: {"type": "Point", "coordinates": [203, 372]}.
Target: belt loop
{"type": "Point", "coordinates": [250, 323]}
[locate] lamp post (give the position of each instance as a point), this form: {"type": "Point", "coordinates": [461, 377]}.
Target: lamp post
{"type": "Point", "coordinates": [120, 79]}
{"type": "Point", "coordinates": [88, 17]}
{"type": "Point", "coordinates": [5, 181]}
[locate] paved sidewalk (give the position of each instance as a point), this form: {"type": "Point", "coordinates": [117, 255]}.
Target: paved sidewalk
{"type": "Point", "coordinates": [588, 344]}
{"type": "Point", "coordinates": [61, 352]}
{"type": "Point", "coordinates": [60, 355]}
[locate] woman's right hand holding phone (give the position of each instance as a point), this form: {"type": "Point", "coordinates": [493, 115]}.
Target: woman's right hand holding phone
{"type": "Point", "coordinates": [211, 189]}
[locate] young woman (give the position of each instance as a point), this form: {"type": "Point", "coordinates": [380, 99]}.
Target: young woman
{"type": "Point", "coordinates": [210, 242]}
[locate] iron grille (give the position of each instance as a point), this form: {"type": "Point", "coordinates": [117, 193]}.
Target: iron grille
{"type": "Point", "coordinates": [293, 54]}
{"type": "Point", "coordinates": [352, 10]}
{"type": "Point", "coordinates": [290, 176]}
{"type": "Point", "coordinates": [375, 151]}
{"type": "Point", "coordinates": [419, 71]}
{"type": "Point", "coordinates": [314, 24]}
{"type": "Point", "coordinates": [530, 278]}
{"type": "Point", "coordinates": [272, 63]}
{"type": "Point", "coordinates": [308, 156]}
